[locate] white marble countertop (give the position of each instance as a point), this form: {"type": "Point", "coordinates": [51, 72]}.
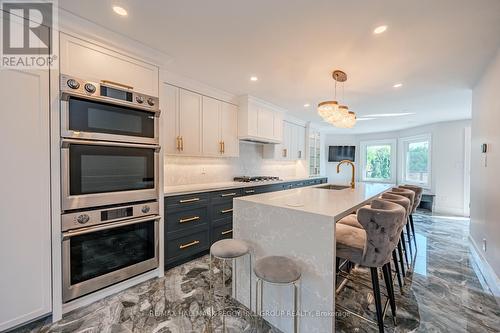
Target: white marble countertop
{"type": "Point", "coordinates": [313, 199]}
{"type": "Point", "coordinates": [196, 188]}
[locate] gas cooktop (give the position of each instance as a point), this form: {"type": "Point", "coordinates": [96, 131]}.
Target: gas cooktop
{"type": "Point", "coordinates": [247, 179]}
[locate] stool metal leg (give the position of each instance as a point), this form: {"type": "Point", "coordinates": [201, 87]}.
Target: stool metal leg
{"type": "Point", "coordinates": [413, 229]}
{"type": "Point", "coordinates": [250, 279]}
{"type": "Point", "coordinates": [295, 307]}
{"type": "Point", "coordinates": [401, 259]}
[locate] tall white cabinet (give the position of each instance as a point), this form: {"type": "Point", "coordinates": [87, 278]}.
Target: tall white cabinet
{"type": "Point", "coordinates": [25, 242]}
{"type": "Point", "coordinates": [293, 145]}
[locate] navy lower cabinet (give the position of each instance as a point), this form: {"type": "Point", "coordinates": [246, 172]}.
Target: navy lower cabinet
{"type": "Point", "coordinates": [193, 222]}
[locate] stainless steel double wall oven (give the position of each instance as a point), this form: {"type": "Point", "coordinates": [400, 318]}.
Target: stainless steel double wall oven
{"type": "Point", "coordinates": [109, 181]}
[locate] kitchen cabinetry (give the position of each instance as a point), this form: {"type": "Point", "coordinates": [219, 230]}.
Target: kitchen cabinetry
{"type": "Point", "coordinates": [195, 221]}
{"type": "Point", "coordinates": [293, 145]}
{"type": "Point", "coordinates": [258, 121]}
{"type": "Point", "coordinates": [25, 241]}
{"type": "Point", "coordinates": [94, 62]}
{"type": "Point", "coordinates": [314, 153]}
{"type": "Point", "coordinates": [197, 125]}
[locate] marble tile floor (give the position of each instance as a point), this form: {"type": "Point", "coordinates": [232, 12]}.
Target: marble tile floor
{"type": "Point", "coordinates": [442, 294]}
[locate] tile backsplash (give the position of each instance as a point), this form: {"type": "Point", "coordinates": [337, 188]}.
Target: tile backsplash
{"type": "Point", "coordinates": [181, 170]}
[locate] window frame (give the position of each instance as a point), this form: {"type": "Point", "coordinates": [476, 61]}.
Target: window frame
{"type": "Point", "coordinates": [404, 144]}
{"type": "Point", "coordinates": [363, 145]}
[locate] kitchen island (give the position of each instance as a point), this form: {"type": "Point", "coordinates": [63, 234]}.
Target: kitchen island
{"type": "Point", "coordinates": [300, 224]}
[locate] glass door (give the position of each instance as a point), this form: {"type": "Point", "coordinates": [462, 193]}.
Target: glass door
{"type": "Point", "coordinates": [314, 153]}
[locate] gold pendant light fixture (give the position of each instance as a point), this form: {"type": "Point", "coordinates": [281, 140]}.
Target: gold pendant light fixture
{"type": "Point", "coordinates": [332, 112]}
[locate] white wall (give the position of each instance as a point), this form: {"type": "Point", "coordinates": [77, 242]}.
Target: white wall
{"type": "Point", "coordinates": [447, 161]}
{"type": "Point", "coordinates": [485, 180]}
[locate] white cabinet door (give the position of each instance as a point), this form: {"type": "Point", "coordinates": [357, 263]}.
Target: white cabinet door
{"type": "Point", "coordinates": [25, 281]}
{"type": "Point", "coordinates": [94, 62]}
{"type": "Point", "coordinates": [301, 142]}
{"type": "Point", "coordinates": [169, 100]}
{"type": "Point", "coordinates": [190, 118]}
{"type": "Point", "coordinates": [229, 129]}
{"type": "Point", "coordinates": [265, 123]}
{"type": "Point", "coordinates": [294, 142]}
{"type": "Point", "coordinates": [278, 126]}
{"type": "Point", "coordinates": [287, 138]}
{"type": "Point", "coordinates": [211, 127]}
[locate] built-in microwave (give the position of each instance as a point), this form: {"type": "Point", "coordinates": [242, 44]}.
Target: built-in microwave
{"type": "Point", "coordinates": [107, 111]}
{"type": "Point", "coordinates": [99, 173]}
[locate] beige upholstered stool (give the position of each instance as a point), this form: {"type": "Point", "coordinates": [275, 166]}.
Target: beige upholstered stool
{"type": "Point", "coordinates": [411, 196]}
{"type": "Point", "coordinates": [418, 197]}
{"type": "Point", "coordinates": [276, 270]}
{"type": "Point", "coordinates": [373, 245]}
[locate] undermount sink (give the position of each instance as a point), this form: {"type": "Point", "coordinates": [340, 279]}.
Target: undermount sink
{"type": "Point", "coordinates": [334, 187]}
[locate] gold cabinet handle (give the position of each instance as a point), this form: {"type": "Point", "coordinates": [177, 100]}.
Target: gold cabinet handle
{"type": "Point", "coordinates": [182, 143]}
{"type": "Point", "coordinates": [285, 152]}
{"type": "Point", "coordinates": [189, 200]}
{"type": "Point", "coordinates": [232, 194]}
{"type": "Point", "coordinates": [250, 191]}
{"type": "Point", "coordinates": [184, 246]}
{"type": "Point", "coordinates": [220, 147]}
{"type": "Point", "coordinates": [226, 232]}
{"type": "Point", "coordinates": [178, 143]}
{"type": "Point", "coordinates": [224, 211]}
{"type": "Point", "coordinates": [117, 84]}
{"type": "Point", "coordinates": [223, 147]}
{"type": "Point", "coordinates": [189, 219]}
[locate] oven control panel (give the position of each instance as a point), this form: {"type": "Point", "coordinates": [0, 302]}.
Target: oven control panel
{"type": "Point", "coordinates": [107, 91]}
{"type": "Point", "coordinates": [87, 218]}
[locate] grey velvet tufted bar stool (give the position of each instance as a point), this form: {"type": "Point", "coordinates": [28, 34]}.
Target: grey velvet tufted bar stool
{"type": "Point", "coordinates": [276, 270]}
{"type": "Point", "coordinates": [418, 197]}
{"type": "Point", "coordinates": [411, 196]}
{"type": "Point", "coordinates": [229, 249]}
{"type": "Point", "coordinates": [407, 205]}
{"type": "Point", "coordinates": [372, 246]}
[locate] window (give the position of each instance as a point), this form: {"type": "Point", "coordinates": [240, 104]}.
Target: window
{"type": "Point", "coordinates": [416, 160]}
{"type": "Point", "coordinates": [377, 161]}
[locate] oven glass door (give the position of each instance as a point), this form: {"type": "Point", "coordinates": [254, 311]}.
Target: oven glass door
{"type": "Point", "coordinates": [101, 252]}
{"type": "Point", "coordinates": [118, 121]}
{"type": "Point", "coordinates": [100, 169]}
{"type": "Point", "coordinates": [101, 256]}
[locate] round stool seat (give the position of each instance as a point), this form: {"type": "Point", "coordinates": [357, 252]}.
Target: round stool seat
{"type": "Point", "coordinates": [277, 269]}
{"type": "Point", "coordinates": [229, 248]}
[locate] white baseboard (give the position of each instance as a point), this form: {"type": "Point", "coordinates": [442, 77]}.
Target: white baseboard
{"type": "Point", "coordinates": [491, 279]}
{"type": "Point", "coordinates": [452, 211]}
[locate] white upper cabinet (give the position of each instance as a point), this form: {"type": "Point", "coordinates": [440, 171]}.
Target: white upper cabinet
{"type": "Point", "coordinates": [190, 118]}
{"type": "Point", "coordinates": [197, 125]}
{"type": "Point", "coordinates": [94, 62]}
{"type": "Point", "coordinates": [259, 121]}
{"type": "Point", "coordinates": [293, 145]}
{"type": "Point", "coordinates": [25, 241]}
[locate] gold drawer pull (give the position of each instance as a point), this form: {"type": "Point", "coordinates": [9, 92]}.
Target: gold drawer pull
{"type": "Point", "coordinates": [232, 194]}
{"type": "Point", "coordinates": [226, 211]}
{"type": "Point", "coordinates": [183, 246]}
{"type": "Point", "coordinates": [113, 83]}
{"type": "Point", "coordinates": [226, 232]}
{"type": "Point", "coordinates": [250, 191]}
{"type": "Point", "coordinates": [189, 200]}
{"type": "Point", "coordinates": [189, 219]}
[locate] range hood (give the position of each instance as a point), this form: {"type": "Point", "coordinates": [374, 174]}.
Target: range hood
{"type": "Point", "coordinates": [259, 121]}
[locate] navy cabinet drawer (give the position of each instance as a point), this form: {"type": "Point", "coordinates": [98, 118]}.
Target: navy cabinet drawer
{"type": "Point", "coordinates": [222, 210]}
{"type": "Point", "coordinates": [225, 196]}
{"type": "Point", "coordinates": [222, 231]}
{"type": "Point", "coordinates": [187, 200]}
{"type": "Point", "coordinates": [186, 218]}
{"type": "Point", "coordinates": [186, 246]}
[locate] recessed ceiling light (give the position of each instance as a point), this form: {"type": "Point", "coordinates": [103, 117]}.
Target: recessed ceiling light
{"type": "Point", "coordinates": [307, 105]}
{"type": "Point", "coordinates": [389, 114]}
{"type": "Point", "coordinates": [397, 85]}
{"type": "Point", "coordinates": [380, 29]}
{"type": "Point", "coordinates": [120, 10]}
{"type": "Point", "coordinates": [254, 78]}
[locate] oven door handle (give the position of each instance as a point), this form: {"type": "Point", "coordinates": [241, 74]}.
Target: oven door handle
{"type": "Point", "coordinates": [65, 143]}
{"type": "Point", "coordinates": [83, 231]}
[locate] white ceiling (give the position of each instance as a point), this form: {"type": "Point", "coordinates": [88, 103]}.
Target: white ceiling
{"type": "Point", "coordinates": [436, 48]}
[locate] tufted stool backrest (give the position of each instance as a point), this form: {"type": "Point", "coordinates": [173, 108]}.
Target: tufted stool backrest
{"type": "Point", "coordinates": [418, 194]}
{"type": "Point", "coordinates": [405, 193]}
{"type": "Point", "coordinates": [398, 199]}
{"type": "Point", "coordinates": [382, 222]}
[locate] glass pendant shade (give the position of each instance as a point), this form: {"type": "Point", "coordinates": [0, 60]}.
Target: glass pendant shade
{"type": "Point", "coordinates": [328, 108]}
{"type": "Point", "coordinates": [348, 121]}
